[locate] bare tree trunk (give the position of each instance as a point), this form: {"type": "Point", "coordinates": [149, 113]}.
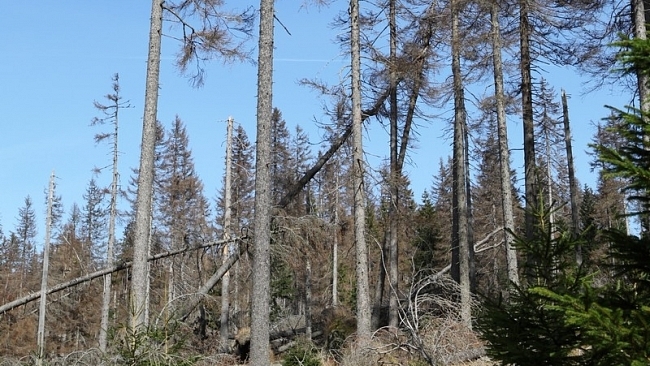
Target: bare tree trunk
{"type": "Point", "coordinates": [363, 292]}
{"type": "Point", "coordinates": [116, 268]}
{"type": "Point", "coordinates": [461, 251]}
{"type": "Point", "coordinates": [504, 152]}
{"type": "Point", "coordinates": [378, 298]}
{"type": "Point", "coordinates": [393, 302]}
{"type": "Point", "coordinates": [640, 32]}
{"type": "Point", "coordinates": [308, 298]}
{"type": "Point", "coordinates": [640, 18]}
{"type": "Point", "coordinates": [262, 249]}
{"type": "Point", "coordinates": [140, 275]}
{"type": "Point", "coordinates": [530, 173]}
{"type": "Point", "coordinates": [225, 281]}
{"type": "Point", "coordinates": [573, 184]}
{"type": "Point", "coordinates": [335, 247]}
{"type": "Point", "coordinates": [46, 262]}
{"type": "Point", "coordinates": [108, 279]}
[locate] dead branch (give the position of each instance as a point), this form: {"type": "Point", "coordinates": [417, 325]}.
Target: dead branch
{"type": "Point", "coordinates": [336, 144]}
{"type": "Point", "coordinates": [121, 266]}
{"type": "Point", "coordinates": [212, 281]}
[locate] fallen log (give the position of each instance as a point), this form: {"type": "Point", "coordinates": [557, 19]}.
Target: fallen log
{"type": "Point", "coordinates": [116, 268]}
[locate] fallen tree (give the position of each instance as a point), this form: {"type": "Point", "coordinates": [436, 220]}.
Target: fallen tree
{"type": "Point", "coordinates": [118, 267]}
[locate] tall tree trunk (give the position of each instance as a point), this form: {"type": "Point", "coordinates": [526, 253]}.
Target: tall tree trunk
{"type": "Point", "coordinates": [46, 262]}
{"type": "Point", "coordinates": [363, 292]}
{"type": "Point", "coordinates": [140, 273]}
{"type": "Point", "coordinates": [393, 303]}
{"type": "Point", "coordinates": [262, 230]}
{"type": "Point", "coordinates": [335, 247]}
{"type": "Point", "coordinates": [530, 173]}
{"type": "Point", "coordinates": [504, 152]}
{"type": "Point", "coordinates": [641, 11]}
{"type": "Point", "coordinates": [461, 251]}
{"type": "Point", "coordinates": [112, 217]}
{"type": "Point", "coordinates": [573, 184]}
{"type": "Point", "coordinates": [225, 280]}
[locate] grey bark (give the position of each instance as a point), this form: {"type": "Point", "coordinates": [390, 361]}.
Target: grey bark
{"type": "Point", "coordinates": [40, 342]}
{"type": "Point", "coordinates": [225, 281]}
{"type": "Point", "coordinates": [363, 293]}
{"type": "Point", "coordinates": [91, 276]}
{"type": "Point", "coordinates": [106, 296]}
{"type": "Point", "coordinates": [308, 299]}
{"type": "Point", "coordinates": [335, 247]}
{"type": "Point", "coordinates": [262, 230]}
{"type": "Point", "coordinates": [210, 283]}
{"type": "Point", "coordinates": [504, 151]}
{"type": "Point", "coordinates": [140, 273]}
{"type": "Point", "coordinates": [640, 32]}
{"type": "Point", "coordinates": [640, 19]}
{"type": "Point", "coordinates": [461, 251]}
{"type": "Point", "coordinates": [393, 301]}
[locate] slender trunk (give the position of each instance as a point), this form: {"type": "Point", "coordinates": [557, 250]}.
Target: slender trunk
{"type": "Point", "coordinates": [530, 173]}
{"type": "Point", "coordinates": [225, 281]}
{"type": "Point", "coordinates": [573, 184]}
{"type": "Point", "coordinates": [262, 250]}
{"type": "Point", "coordinates": [393, 301]}
{"type": "Point", "coordinates": [363, 297]}
{"type": "Point", "coordinates": [378, 298]}
{"type": "Point", "coordinates": [46, 263]}
{"type": "Point", "coordinates": [504, 152]}
{"type": "Point", "coordinates": [640, 32]}
{"type": "Point", "coordinates": [140, 273]}
{"type": "Point", "coordinates": [308, 298]}
{"type": "Point", "coordinates": [641, 10]}
{"type": "Point", "coordinates": [461, 256]}
{"type": "Point", "coordinates": [108, 279]}
{"type": "Point", "coordinates": [335, 247]}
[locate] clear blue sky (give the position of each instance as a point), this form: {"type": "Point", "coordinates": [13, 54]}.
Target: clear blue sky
{"type": "Point", "coordinates": [56, 58]}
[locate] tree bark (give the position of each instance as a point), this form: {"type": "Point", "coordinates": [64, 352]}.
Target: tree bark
{"type": "Point", "coordinates": [225, 281]}
{"type": "Point", "coordinates": [504, 152]}
{"type": "Point", "coordinates": [46, 261]}
{"type": "Point", "coordinates": [262, 251]}
{"type": "Point", "coordinates": [530, 173]}
{"type": "Point", "coordinates": [140, 275]}
{"type": "Point", "coordinates": [461, 251]}
{"type": "Point", "coordinates": [573, 184]}
{"type": "Point", "coordinates": [106, 296]}
{"type": "Point", "coordinates": [363, 296]}
{"type": "Point", "coordinates": [91, 276]}
{"type": "Point", "coordinates": [393, 301]}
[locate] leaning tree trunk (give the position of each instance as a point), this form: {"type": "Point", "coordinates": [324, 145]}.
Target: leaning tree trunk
{"type": "Point", "coordinates": [262, 230]}
{"type": "Point", "coordinates": [461, 251]}
{"type": "Point", "coordinates": [363, 292]}
{"type": "Point", "coordinates": [140, 273]}
{"type": "Point", "coordinates": [573, 184]}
